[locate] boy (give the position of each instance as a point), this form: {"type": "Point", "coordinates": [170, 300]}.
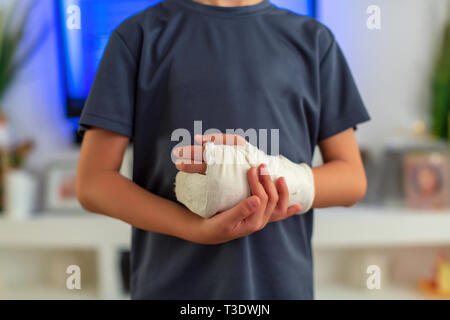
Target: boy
{"type": "Point", "coordinates": [231, 64]}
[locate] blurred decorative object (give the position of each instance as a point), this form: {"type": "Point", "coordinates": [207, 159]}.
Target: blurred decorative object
{"type": "Point", "coordinates": [19, 154]}
{"type": "Point", "coordinates": [439, 285]}
{"type": "Point", "coordinates": [440, 111]}
{"type": "Point", "coordinates": [60, 188]}
{"type": "Point", "coordinates": [11, 36]}
{"type": "Point", "coordinates": [20, 194]}
{"type": "Point", "coordinates": [390, 176]}
{"type": "Point", "coordinates": [426, 180]}
{"type": "Point", "coordinates": [420, 130]}
{"type": "Point", "coordinates": [18, 188]}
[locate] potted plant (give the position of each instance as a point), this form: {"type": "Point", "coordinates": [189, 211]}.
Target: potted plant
{"type": "Point", "coordinates": [440, 111]}
{"type": "Point", "coordinates": [13, 56]}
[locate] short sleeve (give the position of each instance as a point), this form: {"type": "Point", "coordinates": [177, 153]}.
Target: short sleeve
{"type": "Point", "coordinates": [341, 103]}
{"type": "Point", "coordinates": [110, 104]}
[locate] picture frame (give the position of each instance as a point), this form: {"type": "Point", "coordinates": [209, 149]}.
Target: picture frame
{"type": "Point", "coordinates": [426, 180]}
{"type": "Point", "coordinates": [60, 187]}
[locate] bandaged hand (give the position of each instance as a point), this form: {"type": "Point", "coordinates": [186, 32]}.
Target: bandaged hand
{"type": "Point", "coordinates": [224, 183]}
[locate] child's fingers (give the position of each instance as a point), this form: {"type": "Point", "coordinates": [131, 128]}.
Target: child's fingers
{"type": "Point", "coordinates": [197, 152]}
{"type": "Point", "coordinates": [221, 138]}
{"type": "Point", "coordinates": [199, 139]}
{"type": "Point", "coordinates": [190, 153]}
{"type": "Point", "coordinates": [293, 210]}
{"type": "Point", "coordinates": [237, 217]}
{"type": "Point", "coordinates": [283, 194]}
{"type": "Point", "coordinates": [189, 167]}
{"type": "Point", "coordinates": [257, 189]}
{"type": "Point", "coordinates": [270, 189]}
{"type": "Point", "coordinates": [281, 215]}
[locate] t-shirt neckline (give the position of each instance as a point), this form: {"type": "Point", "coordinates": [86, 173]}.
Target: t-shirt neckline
{"type": "Point", "coordinates": [224, 11]}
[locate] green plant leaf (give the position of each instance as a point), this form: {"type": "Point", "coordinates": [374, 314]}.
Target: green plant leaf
{"type": "Point", "coordinates": [10, 40]}
{"type": "Point", "coordinates": [440, 109]}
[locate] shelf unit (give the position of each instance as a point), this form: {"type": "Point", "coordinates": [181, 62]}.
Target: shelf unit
{"type": "Point", "coordinates": [337, 231]}
{"type": "Point", "coordinates": [371, 226]}
{"type": "Point", "coordinates": [404, 241]}
{"type": "Point", "coordinates": [103, 236]}
{"type": "Point", "coordinates": [336, 291]}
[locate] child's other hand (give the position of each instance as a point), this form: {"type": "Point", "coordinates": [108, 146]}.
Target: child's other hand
{"type": "Point", "coordinates": [267, 204]}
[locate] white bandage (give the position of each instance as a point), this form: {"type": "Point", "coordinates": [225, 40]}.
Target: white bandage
{"type": "Point", "coordinates": [225, 182]}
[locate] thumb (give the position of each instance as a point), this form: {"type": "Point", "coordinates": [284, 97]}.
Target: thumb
{"type": "Point", "coordinates": [243, 210]}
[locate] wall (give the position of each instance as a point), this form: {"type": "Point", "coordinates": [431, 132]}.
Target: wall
{"type": "Point", "coordinates": [34, 102]}
{"type": "Point", "coordinates": [392, 66]}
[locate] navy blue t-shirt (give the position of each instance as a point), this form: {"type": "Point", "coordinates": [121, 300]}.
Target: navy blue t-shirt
{"type": "Point", "coordinates": [257, 66]}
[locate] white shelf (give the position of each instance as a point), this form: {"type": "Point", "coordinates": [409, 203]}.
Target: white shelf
{"type": "Point", "coordinates": [346, 292]}
{"type": "Point", "coordinates": [380, 227]}
{"type": "Point", "coordinates": [66, 231]}
{"type": "Point", "coordinates": [333, 228]}
{"type": "Point", "coordinates": [43, 292]}
{"type": "Point", "coordinates": [82, 231]}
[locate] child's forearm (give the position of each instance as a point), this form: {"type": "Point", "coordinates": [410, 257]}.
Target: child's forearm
{"type": "Point", "coordinates": [111, 194]}
{"type": "Point", "coordinates": [337, 183]}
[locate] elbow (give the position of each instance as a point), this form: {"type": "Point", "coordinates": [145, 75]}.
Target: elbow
{"type": "Point", "coordinates": [359, 191]}
{"type": "Point", "coordinates": [83, 192]}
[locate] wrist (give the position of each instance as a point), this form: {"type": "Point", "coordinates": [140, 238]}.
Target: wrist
{"type": "Point", "coordinates": [195, 229]}
{"type": "Point", "coordinates": [202, 231]}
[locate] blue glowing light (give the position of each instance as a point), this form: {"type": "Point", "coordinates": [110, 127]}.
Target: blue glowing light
{"type": "Point", "coordinates": [304, 7]}
{"type": "Point", "coordinates": [85, 27]}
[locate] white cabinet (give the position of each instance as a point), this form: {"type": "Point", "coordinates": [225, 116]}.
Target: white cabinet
{"type": "Point", "coordinates": [34, 254]}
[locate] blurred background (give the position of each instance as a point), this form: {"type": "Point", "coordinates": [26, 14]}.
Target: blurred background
{"type": "Point", "coordinates": [395, 244]}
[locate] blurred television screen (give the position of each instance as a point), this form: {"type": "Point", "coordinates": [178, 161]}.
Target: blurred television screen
{"type": "Point", "coordinates": [85, 27]}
